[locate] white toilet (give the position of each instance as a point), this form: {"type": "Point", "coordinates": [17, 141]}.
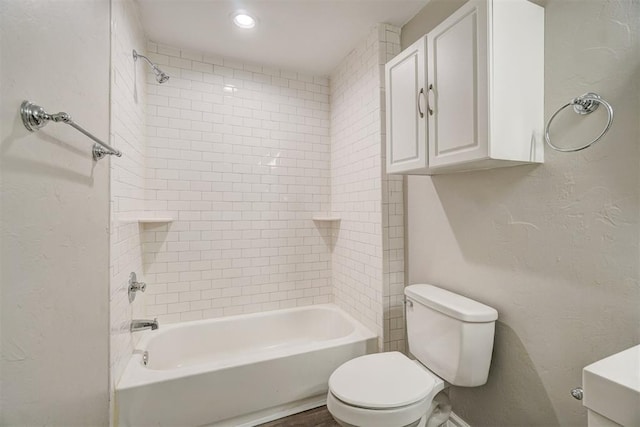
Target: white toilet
{"type": "Point", "coordinates": [452, 338]}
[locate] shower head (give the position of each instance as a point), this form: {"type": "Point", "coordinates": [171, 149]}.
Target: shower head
{"type": "Point", "coordinates": [161, 76]}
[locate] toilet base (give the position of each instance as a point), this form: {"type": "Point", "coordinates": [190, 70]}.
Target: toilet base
{"type": "Point", "coordinates": [422, 422]}
{"type": "Point", "coordinates": [414, 415]}
{"type": "Point", "coordinates": [432, 412]}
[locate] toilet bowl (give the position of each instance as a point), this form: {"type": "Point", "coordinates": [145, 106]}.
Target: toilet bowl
{"type": "Point", "coordinates": [451, 337]}
{"type": "Point", "coordinates": [382, 390]}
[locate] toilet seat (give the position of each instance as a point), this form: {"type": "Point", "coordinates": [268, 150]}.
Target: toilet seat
{"type": "Point", "coordinates": [381, 380]}
{"type": "Point", "coordinates": [382, 389]}
{"type": "Point", "coordinates": [366, 417]}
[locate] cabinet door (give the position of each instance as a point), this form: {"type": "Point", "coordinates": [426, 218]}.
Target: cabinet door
{"type": "Point", "coordinates": [457, 87]}
{"type": "Point", "coordinates": [405, 104]}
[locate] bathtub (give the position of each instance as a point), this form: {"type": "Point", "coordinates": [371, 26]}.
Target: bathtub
{"type": "Point", "coordinates": [238, 371]}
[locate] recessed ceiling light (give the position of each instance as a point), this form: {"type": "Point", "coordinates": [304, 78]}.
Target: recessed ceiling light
{"type": "Point", "coordinates": [243, 20]}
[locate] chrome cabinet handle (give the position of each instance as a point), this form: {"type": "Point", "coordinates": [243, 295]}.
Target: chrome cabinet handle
{"type": "Point", "coordinates": [429, 109]}
{"type": "Point", "coordinates": [418, 102]}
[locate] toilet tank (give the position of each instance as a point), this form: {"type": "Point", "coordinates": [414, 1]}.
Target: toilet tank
{"type": "Point", "coordinates": [450, 334]}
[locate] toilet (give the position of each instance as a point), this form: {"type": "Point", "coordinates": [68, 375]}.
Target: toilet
{"type": "Point", "coordinates": [451, 337]}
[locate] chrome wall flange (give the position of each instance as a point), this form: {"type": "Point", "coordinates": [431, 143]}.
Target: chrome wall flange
{"type": "Point", "coordinates": [99, 152]}
{"type": "Point", "coordinates": [587, 103]}
{"type": "Point", "coordinates": [33, 116]}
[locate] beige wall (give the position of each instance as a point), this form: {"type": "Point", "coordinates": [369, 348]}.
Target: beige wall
{"type": "Point", "coordinates": [430, 16]}
{"type": "Point", "coordinates": [54, 215]}
{"type": "Point", "coordinates": [554, 248]}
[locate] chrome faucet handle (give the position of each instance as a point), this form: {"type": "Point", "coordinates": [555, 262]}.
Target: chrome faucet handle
{"type": "Point", "coordinates": [139, 286]}
{"type": "Point", "coordinates": [135, 286]}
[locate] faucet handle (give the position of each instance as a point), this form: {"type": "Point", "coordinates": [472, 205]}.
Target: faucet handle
{"type": "Point", "coordinates": [139, 286]}
{"type": "Point", "coordinates": [135, 286]}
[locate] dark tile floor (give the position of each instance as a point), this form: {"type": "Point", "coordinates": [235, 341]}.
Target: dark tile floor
{"type": "Point", "coordinates": [318, 417]}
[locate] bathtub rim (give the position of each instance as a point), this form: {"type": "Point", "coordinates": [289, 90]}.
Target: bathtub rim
{"type": "Point", "coordinates": [136, 374]}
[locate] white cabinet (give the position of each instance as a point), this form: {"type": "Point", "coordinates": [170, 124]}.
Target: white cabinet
{"type": "Point", "coordinates": [405, 77]}
{"type": "Point", "coordinates": [457, 77]}
{"type": "Point", "coordinates": [482, 96]}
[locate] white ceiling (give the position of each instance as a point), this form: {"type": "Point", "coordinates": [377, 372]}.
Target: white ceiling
{"type": "Point", "coordinates": [312, 36]}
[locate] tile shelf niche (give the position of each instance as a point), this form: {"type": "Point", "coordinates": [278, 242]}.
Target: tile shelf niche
{"type": "Point", "coordinates": [146, 219]}
{"type": "Point", "coordinates": [328, 218]}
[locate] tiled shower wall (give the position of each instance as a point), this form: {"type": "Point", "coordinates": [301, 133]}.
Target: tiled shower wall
{"type": "Point", "coordinates": [239, 155]}
{"type": "Point", "coordinates": [127, 174]}
{"type": "Point", "coordinates": [367, 260]}
{"type": "Point", "coordinates": [392, 214]}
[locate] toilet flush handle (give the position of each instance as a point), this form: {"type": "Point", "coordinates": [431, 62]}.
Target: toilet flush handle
{"type": "Point", "coordinates": [408, 302]}
{"type": "Point", "coordinates": [577, 393]}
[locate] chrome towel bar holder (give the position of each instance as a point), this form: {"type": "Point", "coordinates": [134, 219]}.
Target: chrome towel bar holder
{"type": "Point", "coordinates": [35, 117]}
{"type": "Point", "coordinates": [583, 105]}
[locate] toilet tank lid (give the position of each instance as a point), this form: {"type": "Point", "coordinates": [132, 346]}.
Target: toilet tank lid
{"type": "Point", "coordinates": [453, 305]}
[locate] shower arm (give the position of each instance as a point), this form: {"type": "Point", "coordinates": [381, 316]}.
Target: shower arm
{"type": "Point", "coordinates": [161, 76]}
{"type": "Point", "coordinates": [136, 55]}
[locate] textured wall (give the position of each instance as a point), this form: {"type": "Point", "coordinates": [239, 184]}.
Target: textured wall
{"type": "Point", "coordinates": [54, 247]}
{"type": "Point", "coordinates": [554, 248]}
{"type": "Point", "coordinates": [239, 155]}
{"type": "Point", "coordinates": [427, 18]}
{"type": "Point", "coordinates": [128, 127]}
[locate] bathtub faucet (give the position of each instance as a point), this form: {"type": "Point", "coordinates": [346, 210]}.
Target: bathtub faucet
{"type": "Point", "coordinates": [141, 325]}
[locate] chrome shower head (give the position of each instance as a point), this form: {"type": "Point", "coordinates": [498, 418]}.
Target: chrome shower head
{"type": "Point", "coordinates": [161, 76]}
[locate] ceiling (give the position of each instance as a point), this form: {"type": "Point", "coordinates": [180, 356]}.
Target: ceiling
{"type": "Point", "coordinates": [311, 36]}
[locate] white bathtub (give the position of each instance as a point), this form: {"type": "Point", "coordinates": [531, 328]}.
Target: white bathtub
{"type": "Point", "coordinates": [240, 370]}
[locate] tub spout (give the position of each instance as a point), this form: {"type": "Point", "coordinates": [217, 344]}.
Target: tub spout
{"type": "Point", "coordinates": [140, 325]}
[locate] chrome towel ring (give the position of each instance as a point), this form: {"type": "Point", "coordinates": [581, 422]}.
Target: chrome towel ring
{"type": "Point", "coordinates": [583, 105]}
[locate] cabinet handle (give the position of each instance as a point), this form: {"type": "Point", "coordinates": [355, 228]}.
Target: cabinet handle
{"type": "Point", "coordinates": [418, 101]}
{"type": "Point", "coordinates": [429, 109]}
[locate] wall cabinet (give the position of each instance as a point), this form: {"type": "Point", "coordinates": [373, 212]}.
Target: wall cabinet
{"type": "Point", "coordinates": [405, 77]}
{"type": "Point", "coordinates": [470, 93]}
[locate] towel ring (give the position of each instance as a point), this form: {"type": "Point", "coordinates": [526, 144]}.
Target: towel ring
{"type": "Point", "coordinates": [583, 105]}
